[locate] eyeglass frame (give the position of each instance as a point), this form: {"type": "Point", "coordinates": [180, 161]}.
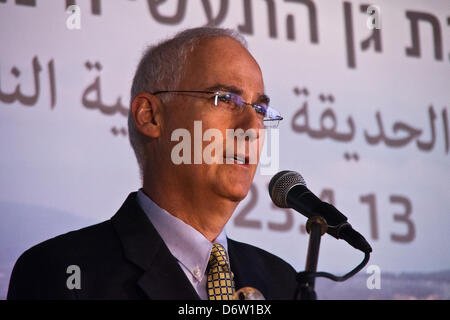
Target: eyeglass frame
{"type": "Point", "coordinates": [216, 93]}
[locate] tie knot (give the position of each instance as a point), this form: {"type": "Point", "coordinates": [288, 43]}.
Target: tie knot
{"type": "Point", "coordinates": [218, 256]}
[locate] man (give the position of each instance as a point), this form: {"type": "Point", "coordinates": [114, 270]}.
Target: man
{"type": "Point", "coordinates": [167, 241]}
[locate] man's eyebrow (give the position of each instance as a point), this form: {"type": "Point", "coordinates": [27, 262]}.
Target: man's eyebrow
{"type": "Point", "coordinates": [264, 98]}
{"type": "Point", "coordinates": [233, 89]}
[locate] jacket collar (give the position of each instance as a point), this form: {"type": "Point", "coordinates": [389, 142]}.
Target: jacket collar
{"type": "Point", "coordinates": [162, 277]}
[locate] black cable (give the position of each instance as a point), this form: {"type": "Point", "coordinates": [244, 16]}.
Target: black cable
{"type": "Point", "coordinates": [305, 276]}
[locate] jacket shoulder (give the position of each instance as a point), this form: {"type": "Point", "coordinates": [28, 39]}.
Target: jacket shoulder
{"type": "Point", "coordinates": [258, 253]}
{"type": "Point", "coordinates": [42, 268]}
{"type": "Point", "coordinates": [275, 278]}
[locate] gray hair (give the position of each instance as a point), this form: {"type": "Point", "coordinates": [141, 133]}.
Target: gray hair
{"type": "Point", "coordinates": [162, 68]}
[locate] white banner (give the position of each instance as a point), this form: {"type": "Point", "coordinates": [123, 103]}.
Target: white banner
{"type": "Point", "coordinates": [363, 89]}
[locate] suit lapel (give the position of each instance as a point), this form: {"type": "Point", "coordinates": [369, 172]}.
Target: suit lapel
{"type": "Point", "coordinates": [243, 263]}
{"type": "Point", "coordinates": [162, 276]}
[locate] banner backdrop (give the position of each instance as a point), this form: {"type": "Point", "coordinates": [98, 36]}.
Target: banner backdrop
{"type": "Point", "coordinates": [363, 88]}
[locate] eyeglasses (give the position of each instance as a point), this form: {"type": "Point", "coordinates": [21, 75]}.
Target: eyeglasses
{"type": "Point", "coordinates": [231, 102]}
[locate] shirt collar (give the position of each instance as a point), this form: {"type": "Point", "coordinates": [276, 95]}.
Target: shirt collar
{"type": "Point", "coordinates": [186, 244]}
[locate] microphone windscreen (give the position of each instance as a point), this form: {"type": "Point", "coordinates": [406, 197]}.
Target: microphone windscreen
{"type": "Point", "coordinates": [281, 183]}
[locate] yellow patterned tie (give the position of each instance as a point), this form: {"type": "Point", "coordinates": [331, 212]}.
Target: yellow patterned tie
{"type": "Point", "coordinates": [220, 278]}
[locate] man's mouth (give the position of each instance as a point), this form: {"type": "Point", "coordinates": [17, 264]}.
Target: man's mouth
{"type": "Point", "coordinates": [237, 159]}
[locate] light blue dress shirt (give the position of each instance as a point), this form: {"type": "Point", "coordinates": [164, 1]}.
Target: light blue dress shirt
{"type": "Point", "coordinates": [187, 245]}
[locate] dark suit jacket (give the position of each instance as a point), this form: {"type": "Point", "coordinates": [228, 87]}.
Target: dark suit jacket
{"type": "Point", "coordinates": [125, 258]}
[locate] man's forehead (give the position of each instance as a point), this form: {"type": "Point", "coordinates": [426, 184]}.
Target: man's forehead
{"type": "Point", "coordinates": [210, 43]}
{"type": "Point", "coordinates": [217, 49]}
{"type": "Point", "coordinates": [223, 61]}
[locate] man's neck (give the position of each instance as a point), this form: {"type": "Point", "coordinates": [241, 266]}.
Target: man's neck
{"type": "Point", "coordinates": [207, 217]}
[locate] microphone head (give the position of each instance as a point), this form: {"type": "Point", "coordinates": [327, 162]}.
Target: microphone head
{"type": "Point", "coordinates": [281, 183]}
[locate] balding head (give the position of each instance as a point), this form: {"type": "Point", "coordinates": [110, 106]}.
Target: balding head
{"type": "Point", "coordinates": [218, 87]}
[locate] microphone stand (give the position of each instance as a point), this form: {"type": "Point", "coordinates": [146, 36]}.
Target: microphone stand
{"type": "Point", "coordinates": [316, 226]}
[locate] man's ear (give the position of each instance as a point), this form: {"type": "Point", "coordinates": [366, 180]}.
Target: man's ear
{"type": "Point", "coordinates": [146, 111]}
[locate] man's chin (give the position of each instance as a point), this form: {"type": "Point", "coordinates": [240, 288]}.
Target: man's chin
{"type": "Point", "coordinates": [237, 196]}
{"type": "Point", "coordinates": [233, 183]}
{"type": "Point", "coordinates": [236, 191]}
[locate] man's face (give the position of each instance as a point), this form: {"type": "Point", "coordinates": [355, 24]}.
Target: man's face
{"type": "Point", "coordinates": [217, 64]}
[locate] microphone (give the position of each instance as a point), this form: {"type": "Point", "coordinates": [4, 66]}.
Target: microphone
{"type": "Point", "coordinates": [288, 189]}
